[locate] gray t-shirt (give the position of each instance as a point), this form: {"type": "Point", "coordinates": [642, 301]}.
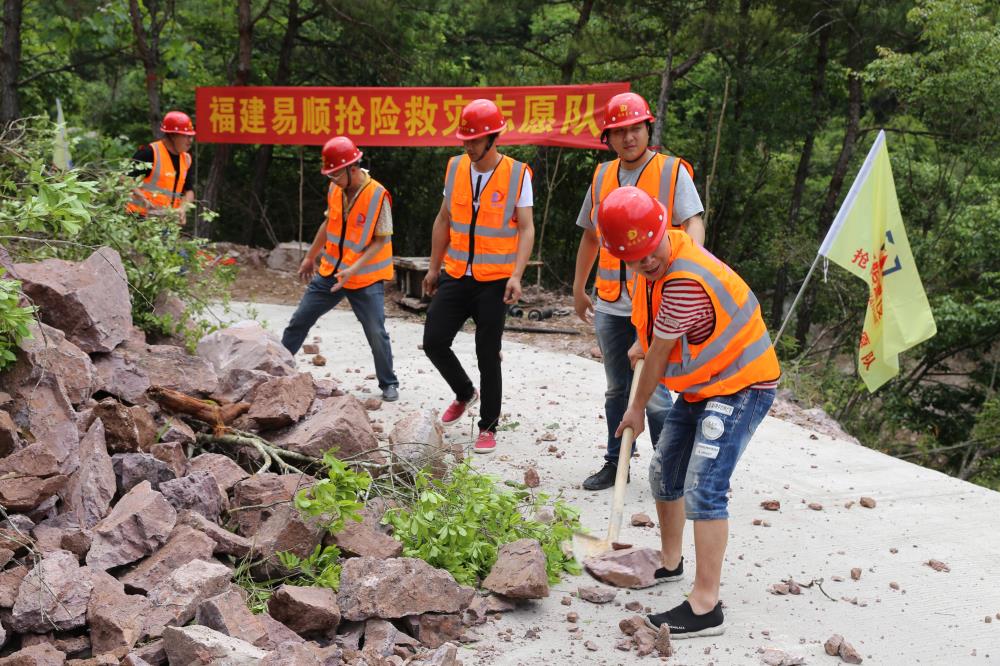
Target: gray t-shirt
{"type": "Point", "coordinates": [687, 204]}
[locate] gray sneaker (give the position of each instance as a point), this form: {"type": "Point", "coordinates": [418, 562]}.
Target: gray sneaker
{"type": "Point", "coordinates": [390, 394]}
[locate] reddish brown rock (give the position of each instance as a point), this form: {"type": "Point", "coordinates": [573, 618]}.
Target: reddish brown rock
{"type": "Point", "coordinates": [436, 629]}
{"type": "Point", "coordinates": [42, 654]}
{"type": "Point", "coordinates": [177, 598]}
{"type": "Point", "coordinates": [632, 567]}
{"type": "Point", "coordinates": [138, 525]}
{"type": "Point", "coordinates": [43, 410]}
{"type": "Point", "coordinates": [92, 487]}
{"type": "Point", "coordinates": [285, 530]}
{"type": "Point", "coordinates": [282, 401]}
{"type": "Point", "coordinates": [305, 610]}
{"type": "Point", "coordinates": [642, 520]}
{"type": "Point", "coordinates": [176, 430]}
{"type": "Point", "coordinates": [596, 594]}
{"type": "Point", "coordinates": [27, 492]}
{"type": "Point", "coordinates": [267, 491]}
{"type": "Point", "coordinates": [48, 351]}
{"type": "Point", "coordinates": [365, 539]}
{"type": "Point", "coordinates": [868, 502]}
{"type": "Point", "coordinates": [88, 301]}
{"type": "Point", "coordinates": [770, 505]}
{"type": "Point", "coordinates": [226, 542]}
{"type": "Point", "coordinates": [127, 429]}
{"type": "Point", "coordinates": [133, 367]}
{"type": "Point", "coordinates": [131, 469]}
{"type": "Point", "coordinates": [10, 439]}
{"type": "Point", "coordinates": [10, 583]}
{"type": "Point", "coordinates": [309, 348]}
{"type": "Point", "coordinates": [319, 360]}
{"type": "Point", "coordinates": [201, 646]}
{"type": "Point", "coordinates": [483, 606]}
{"type": "Point", "coordinates": [645, 641]}
{"type": "Point", "coordinates": [227, 613]}
{"type": "Point", "coordinates": [198, 492]}
{"type": "Point", "coordinates": [292, 653]}
{"type": "Point", "coordinates": [246, 346]}
{"type": "Point", "coordinates": [43, 458]}
{"type": "Point", "coordinates": [184, 545]}
{"type": "Point", "coordinates": [53, 595]}
{"type": "Point", "coordinates": [446, 655]}
{"type": "Point", "coordinates": [225, 471]}
{"type": "Point", "coordinates": [114, 619]}
{"type": "Point", "coordinates": [418, 439]}
{"type": "Point", "coordinates": [395, 588]}
{"type": "Point", "coordinates": [235, 385]}
{"type": "Point", "coordinates": [340, 423]}
{"type": "Point", "coordinates": [531, 479]}
{"type": "Point", "coordinates": [938, 565]}
{"type": "Point", "coordinates": [519, 572]}
{"type": "Point", "coordinates": [171, 453]}
{"type": "Point", "coordinates": [277, 633]}
{"type": "Point", "coordinates": [856, 573]}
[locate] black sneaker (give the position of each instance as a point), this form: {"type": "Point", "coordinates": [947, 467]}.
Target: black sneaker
{"type": "Point", "coordinates": [664, 575]}
{"type": "Point", "coordinates": [604, 478]}
{"type": "Point", "coordinates": [684, 623]}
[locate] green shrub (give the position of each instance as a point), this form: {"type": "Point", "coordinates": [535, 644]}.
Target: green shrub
{"type": "Point", "coordinates": [14, 320]}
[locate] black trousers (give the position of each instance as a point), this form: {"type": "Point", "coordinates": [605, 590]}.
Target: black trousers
{"type": "Point", "coordinates": [455, 302]}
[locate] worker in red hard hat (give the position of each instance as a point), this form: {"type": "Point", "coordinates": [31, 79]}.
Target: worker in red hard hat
{"type": "Point", "coordinates": [483, 235]}
{"type": "Point", "coordinates": [710, 345]}
{"type": "Point", "coordinates": [354, 250]}
{"type": "Point", "coordinates": [627, 128]}
{"type": "Point", "coordinates": [164, 165]}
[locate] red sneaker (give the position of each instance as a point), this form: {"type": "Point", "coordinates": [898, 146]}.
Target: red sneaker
{"type": "Point", "coordinates": [457, 408]}
{"type": "Point", "coordinates": [486, 442]}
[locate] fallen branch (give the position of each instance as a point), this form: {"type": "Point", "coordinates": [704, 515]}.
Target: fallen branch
{"type": "Point", "coordinates": [215, 415]}
{"type": "Point", "coordinates": [270, 453]}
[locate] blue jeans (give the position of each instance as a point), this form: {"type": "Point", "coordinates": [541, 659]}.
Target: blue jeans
{"type": "Point", "coordinates": [368, 304]}
{"type": "Point", "coordinates": [615, 335]}
{"type": "Point", "coordinates": [699, 447]}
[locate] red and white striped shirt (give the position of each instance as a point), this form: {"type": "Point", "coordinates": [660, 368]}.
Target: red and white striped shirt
{"type": "Point", "coordinates": [686, 309]}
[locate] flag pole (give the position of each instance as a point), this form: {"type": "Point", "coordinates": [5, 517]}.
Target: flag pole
{"type": "Point", "coordinates": [795, 302]}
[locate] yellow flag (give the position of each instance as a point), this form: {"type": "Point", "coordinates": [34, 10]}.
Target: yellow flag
{"type": "Point", "coordinates": [868, 239]}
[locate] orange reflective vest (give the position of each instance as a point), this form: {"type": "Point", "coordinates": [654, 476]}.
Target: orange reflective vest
{"type": "Point", "coordinates": [487, 237]}
{"type": "Point", "coordinates": [658, 179]}
{"type": "Point", "coordinates": [347, 235]}
{"type": "Point", "coordinates": [157, 190]}
{"type": "Point", "coordinates": [737, 354]}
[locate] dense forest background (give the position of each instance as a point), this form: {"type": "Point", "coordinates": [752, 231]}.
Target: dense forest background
{"type": "Point", "coordinates": [774, 103]}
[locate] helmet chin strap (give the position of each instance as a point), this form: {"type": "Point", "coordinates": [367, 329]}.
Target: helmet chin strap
{"type": "Point", "coordinates": [489, 145]}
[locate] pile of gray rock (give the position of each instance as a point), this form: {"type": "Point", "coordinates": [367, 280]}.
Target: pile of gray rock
{"type": "Point", "coordinates": [120, 536]}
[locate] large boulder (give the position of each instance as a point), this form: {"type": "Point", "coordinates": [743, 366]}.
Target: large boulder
{"type": "Point", "coordinates": [92, 486]}
{"type": "Point", "coordinates": [395, 588]}
{"type": "Point", "coordinates": [519, 572]}
{"type": "Point", "coordinates": [128, 371]}
{"type": "Point", "coordinates": [222, 468]}
{"type": "Point", "coordinates": [127, 429]}
{"type": "Point", "coordinates": [25, 493]}
{"type": "Point", "coordinates": [287, 257]}
{"type": "Point", "coordinates": [39, 654]}
{"type": "Point", "coordinates": [226, 542]}
{"type": "Point", "coordinates": [48, 351]}
{"type": "Point", "coordinates": [131, 469]}
{"type": "Point", "coordinates": [305, 610]}
{"type": "Point", "coordinates": [198, 491]}
{"type": "Point", "coordinates": [286, 530]}
{"type": "Point", "coordinates": [43, 409]}
{"type": "Point", "coordinates": [138, 525]}
{"type": "Point", "coordinates": [339, 423]}
{"type": "Point", "coordinates": [418, 439]}
{"type": "Point", "coordinates": [88, 301]}
{"type": "Point", "coordinates": [264, 492]}
{"type": "Point", "coordinates": [228, 613]}
{"type": "Point", "coordinates": [281, 401]}
{"type": "Point", "coordinates": [53, 596]}
{"type": "Point", "coordinates": [246, 346]}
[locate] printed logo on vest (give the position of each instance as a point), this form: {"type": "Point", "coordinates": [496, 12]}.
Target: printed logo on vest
{"type": "Point", "coordinates": [361, 218]}
{"type": "Point", "coordinates": [496, 199]}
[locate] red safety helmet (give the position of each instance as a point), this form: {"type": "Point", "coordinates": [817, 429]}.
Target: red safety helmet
{"type": "Point", "coordinates": [177, 122]}
{"type": "Point", "coordinates": [480, 117]}
{"type": "Point", "coordinates": [632, 223]}
{"type": "Point", "coordinates": [626, 109]}
{"type": "Point", "coordinates": [339, 153]}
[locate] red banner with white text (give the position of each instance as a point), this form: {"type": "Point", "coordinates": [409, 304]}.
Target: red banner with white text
{"type": "Point", "coordinates": [568, 116]}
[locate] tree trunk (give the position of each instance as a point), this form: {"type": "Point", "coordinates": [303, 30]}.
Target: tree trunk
{"type": "Point", "coordinates": [802, 172]}
{"type": "Point", "coordinates": [828, 210]}
{"type": "Point", "coordinates": [147, 46]}
{"type": "Point", "coordinates": [666, 84]}
{"type": "Point", "coordinates": [223, 152]}
{"type": "Point", "coordinates": [262, 161]}
{"type": "Point", "coordinates": [10, 62]}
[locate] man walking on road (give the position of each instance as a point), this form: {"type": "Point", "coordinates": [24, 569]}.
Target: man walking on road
{"type": "Point", "coordinates": [354, 247]}
{"type": "Point", "coordinates": [711, 346]}
{"type": "Point", "coordinates": [627, 129]}
{"type": "Point", "coordinates": [165, 187]}
{"type": "Point", "coordinates": [483, 234]}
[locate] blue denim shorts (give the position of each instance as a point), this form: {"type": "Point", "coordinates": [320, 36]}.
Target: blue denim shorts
{"type": "Point", "coordinates": [698, 449]}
